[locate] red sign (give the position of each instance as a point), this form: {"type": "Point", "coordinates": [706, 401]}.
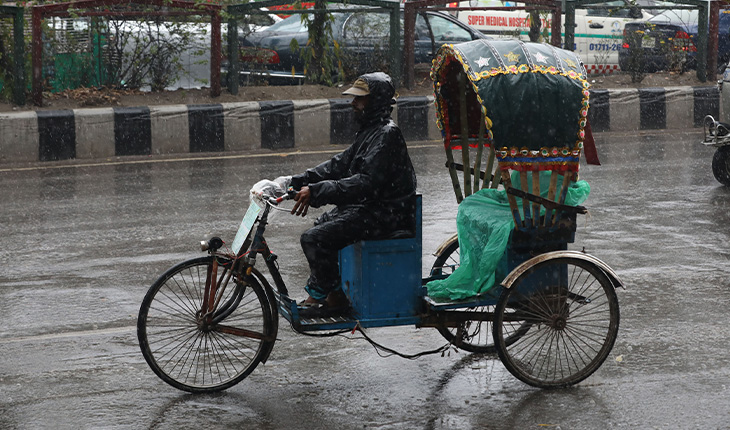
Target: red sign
{"type": "Point", "coordinates": [305, 5]}
{"type": "Point", "coordinates": [502, 21]}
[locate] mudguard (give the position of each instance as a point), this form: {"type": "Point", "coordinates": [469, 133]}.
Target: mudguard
{"type": "Point", "coordinates": [444, 244]}
{"type": "Point", "coordinates": [522, 268]}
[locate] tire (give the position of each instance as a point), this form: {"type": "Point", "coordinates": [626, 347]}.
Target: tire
{"type": "Point", "coordinates": [472, 335]}
{"type": "Point", "coordinates": [721, 165]}
{"type": "Point", "coordinates": [573, 312]}
{"type": "Point", "coordinates": [200, 357]}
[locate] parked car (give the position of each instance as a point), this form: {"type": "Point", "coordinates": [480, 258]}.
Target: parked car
{"type": "Point", "coordinates": [597, 29]}
{"type": "Point", "coordinates": [363, 38]}
{"type": "Point", "coordinates": [667, 41]}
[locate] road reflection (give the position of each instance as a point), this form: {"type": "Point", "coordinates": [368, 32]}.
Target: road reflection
{"type": "Point", "coordinates": [478, 392]}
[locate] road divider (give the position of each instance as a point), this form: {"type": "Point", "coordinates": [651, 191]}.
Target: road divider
{"type": "Point", "coordinates": [53, 135]}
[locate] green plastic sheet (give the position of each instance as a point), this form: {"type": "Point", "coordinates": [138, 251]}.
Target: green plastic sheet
{"type": "Point", "coordinates": [484, 224]}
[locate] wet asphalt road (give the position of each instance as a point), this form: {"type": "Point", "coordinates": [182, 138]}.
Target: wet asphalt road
{"type": "Point", "coordinates": [81, 245]}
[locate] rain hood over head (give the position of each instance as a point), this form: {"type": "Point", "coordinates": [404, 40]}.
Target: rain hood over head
{"type": "Point", "coordinates": [381, 94]}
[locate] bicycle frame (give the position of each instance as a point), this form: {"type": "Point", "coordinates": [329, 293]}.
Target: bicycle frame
{"type": "Point", "coordinates": [428, 314]}
{"type": "Point", "coordinates": [212, 312]}
{"type": "Point", "coordinates": [422, 313]}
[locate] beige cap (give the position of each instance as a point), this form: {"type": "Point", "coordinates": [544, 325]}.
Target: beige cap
{"type": "Point", "coordinates": [359, 88]}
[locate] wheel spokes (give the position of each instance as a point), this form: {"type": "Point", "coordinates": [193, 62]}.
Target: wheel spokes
{"type": "Point", "coordinates": [201, 352]}
{"type": "Point", "coordinates": [574, 318]}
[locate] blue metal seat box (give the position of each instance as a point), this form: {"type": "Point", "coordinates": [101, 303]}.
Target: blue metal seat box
{"type": "Point", "coordinates": [382, 278]}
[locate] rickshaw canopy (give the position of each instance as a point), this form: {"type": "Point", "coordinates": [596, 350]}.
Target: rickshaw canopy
{"type": "Point", "coordinates": [533, 98]}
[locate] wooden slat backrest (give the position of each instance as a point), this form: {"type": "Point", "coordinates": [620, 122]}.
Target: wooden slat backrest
{"type": "Point", "coordinates": [472, 138]}
{"type": "Point", "coordinates": [528, 215]}
{"type": "Point", "coordinates": [475, 152]}
{"type": "Point", "coordinates": [473, 178]}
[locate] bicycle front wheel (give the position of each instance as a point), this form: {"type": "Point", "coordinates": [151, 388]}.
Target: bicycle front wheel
{"type": "Point", "coordinates": [203, 352]}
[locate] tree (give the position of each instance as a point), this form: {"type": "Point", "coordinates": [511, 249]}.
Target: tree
{"type": "Point", "coordinates": [321, 63]}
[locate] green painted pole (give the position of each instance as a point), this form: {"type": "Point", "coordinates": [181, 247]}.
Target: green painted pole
{"type": "Point", "coordinates": [395, 48]}
{"type": "Point", "coordinates": [233, 64]}
{"type": "Point", "coordinates": [702, 31]}
{"type": "Point", "coordinates": [569, 25]}
{"type": "Point", "coordinates": [555, 25]}
{"type": "Point", "coordinates": [713, 41]}
{"type": "Point", "coordinates": [19, 58]}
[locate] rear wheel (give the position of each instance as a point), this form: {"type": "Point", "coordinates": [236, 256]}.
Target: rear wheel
{"type": "Point", "coordinates": [470, 334]}
{"type": "Point", "coordinates": [202, 354]}
{"type": "Point", "coordinates": [573, 315]}
{"type": "Point", "coordinates": [447, 259]}
{"type": "Point", "coordinates": [721, 165]}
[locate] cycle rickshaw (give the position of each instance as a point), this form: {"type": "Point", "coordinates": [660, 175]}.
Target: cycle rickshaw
{"type": "Point", "coordinates": [515, 108]}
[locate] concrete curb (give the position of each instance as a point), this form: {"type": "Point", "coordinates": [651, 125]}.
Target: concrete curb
{"type": "Point", "coordinates": [275, 125]}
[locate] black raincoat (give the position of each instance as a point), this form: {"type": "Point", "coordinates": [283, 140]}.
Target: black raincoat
{"type": "Point", "coordinates": [372, 184]}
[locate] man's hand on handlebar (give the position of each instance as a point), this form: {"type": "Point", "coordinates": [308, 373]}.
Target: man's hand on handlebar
{"type": "Point", "coordinates": [302, 202]}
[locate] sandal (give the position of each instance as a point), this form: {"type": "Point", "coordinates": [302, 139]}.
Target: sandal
{"type": "Point", "coordinates": [306, 304]}
{"type": "Point", "coordinates": [322, 310]}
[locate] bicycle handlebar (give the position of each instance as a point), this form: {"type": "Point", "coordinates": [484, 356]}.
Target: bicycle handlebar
{"type": "Point", "coordinates": [290, 193]}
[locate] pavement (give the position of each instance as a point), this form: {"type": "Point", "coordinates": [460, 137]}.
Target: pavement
{"type": "Point", "coordinates": [99, 133]}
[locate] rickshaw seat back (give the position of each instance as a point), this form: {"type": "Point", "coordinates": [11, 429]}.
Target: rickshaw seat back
{"type": "Point", "coordinates": [512, 106]}
{"type": "Point", "coordinates": [382, 278]}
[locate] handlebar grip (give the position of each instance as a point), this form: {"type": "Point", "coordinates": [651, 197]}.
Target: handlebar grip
{"type": "Point", "coordinates": [290, 193]}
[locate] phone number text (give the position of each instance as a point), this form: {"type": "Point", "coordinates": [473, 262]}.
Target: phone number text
{"type": "Point", "coordinates": [603, 46]}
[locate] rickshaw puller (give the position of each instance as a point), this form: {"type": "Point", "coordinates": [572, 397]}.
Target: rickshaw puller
{"type": "Point", "coordinates": [373, 186]}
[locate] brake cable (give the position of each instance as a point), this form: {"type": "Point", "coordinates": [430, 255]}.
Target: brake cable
{"type": "Point", "coordinates": [380, 349]}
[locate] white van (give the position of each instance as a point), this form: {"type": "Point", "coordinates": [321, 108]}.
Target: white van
{"type": "Point", "coordinates": [598, 31]}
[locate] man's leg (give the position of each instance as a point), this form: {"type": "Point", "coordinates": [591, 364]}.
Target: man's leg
{"type": "Point", "coordinates": [332, 231]}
